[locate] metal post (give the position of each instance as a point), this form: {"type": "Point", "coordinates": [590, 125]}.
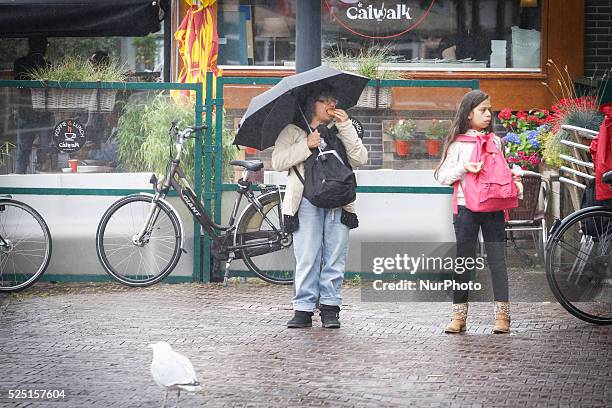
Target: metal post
{"type": "Point", "coordinates": [308, 35]}
{"type": "Point", "coordinates": [167, 43]}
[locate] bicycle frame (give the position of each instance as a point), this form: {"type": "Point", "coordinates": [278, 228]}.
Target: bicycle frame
{"type": "Point", "coordinates": [188, 197]}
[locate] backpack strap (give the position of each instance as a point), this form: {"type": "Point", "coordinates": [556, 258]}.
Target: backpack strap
{"type": "Point", "coordinates": [460, 138]}
{"type": "Point", "coordinates": [297, 173]}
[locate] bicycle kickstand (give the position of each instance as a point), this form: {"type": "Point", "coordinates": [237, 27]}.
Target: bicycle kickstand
{"type": "Point", "coordinates": [227, 266]}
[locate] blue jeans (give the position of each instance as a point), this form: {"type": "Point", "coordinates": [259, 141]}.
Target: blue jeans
{"type": "Point", "coordinates": [320, 246]}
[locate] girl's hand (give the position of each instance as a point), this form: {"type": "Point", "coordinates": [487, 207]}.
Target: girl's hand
{"type": "Point", "coordinates": [314, 139]}
{"type": "Point", "coordinates": [518, 179]}
{"type": "Point", "coordinates": [340, 115]}
{"type": "Point", "coordinates": [471, 167]}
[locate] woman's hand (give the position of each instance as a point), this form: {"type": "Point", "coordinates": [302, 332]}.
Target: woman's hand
{"type": "Point", "coordinates": [340, 115]}
{"type": "Point", "coordinates": [471, 167]}
{"type": "Point", "coordinates": [314, 139]}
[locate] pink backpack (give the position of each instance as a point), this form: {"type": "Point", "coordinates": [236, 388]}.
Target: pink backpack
{"type": "Point", "coordinates": [493, 188]}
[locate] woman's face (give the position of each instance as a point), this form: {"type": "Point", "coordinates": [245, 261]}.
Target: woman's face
{"type": "Point", "coordinates": [324, 108]}
{"type": "Point", "coordinates": [480, 116]}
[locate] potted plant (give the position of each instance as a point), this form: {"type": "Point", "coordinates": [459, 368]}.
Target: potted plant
{"type": "Point", "coordinates": [370, 63]}
{"type": "Point", "coordinates": [77, 70]}
{"type": "Point", "coordinates": [525, 148]}
{"type": "Point", "coordinates": [402, 132]}
{"type": "Point", "coordinates": [436, 132]}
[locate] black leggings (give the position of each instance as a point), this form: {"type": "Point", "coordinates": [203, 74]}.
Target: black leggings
{"type": "Point", "coordinates": [467, 224]}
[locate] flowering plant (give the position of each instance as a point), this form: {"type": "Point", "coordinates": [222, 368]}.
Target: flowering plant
{"type": "Point", "coordinates": [437, 130]}
{"type": "Point", "coordinates": [402, 130]}
{"type": "Point", "coordinates": [522, 121]}
{"type": "Point", "coordinates": [525, 148]}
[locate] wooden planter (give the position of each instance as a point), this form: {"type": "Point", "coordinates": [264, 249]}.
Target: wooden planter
{"type": "Point", "coordinates": [402, 147]}
{"type": "Point", "coordinates": [433, 147]}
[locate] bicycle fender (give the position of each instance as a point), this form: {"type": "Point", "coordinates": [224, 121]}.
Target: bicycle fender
{"type": "Point", "coordinates": [163, 200]}
{"type": "Point", "coordinates": [277, 192]}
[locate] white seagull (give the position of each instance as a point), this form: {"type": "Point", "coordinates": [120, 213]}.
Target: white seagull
{"type": "Point", "coordinates": [172, 371]}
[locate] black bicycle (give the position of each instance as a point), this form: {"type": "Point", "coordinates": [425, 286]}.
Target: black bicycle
{"type": "Point", "coordinates": [25, 245]}
{"type": "Point", "coordinates": [140, 237]}
{"type": "Point", "coordinates": [579, 262]}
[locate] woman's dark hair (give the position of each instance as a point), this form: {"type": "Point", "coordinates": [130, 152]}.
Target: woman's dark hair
{"type": "Point", "coordinates": [461, 123]}
{"type": "Point", "coordinates": [309, 103]}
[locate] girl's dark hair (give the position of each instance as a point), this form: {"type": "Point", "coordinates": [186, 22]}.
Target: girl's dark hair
{"type": "Point", "coordinates": [461, 123]}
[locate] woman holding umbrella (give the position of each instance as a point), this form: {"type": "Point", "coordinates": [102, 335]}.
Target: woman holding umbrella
{"type": "Point", "coordinates": [320, 235]}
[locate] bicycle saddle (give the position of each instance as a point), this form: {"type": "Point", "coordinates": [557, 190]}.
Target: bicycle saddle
{"type": "Point", "coordinates": [607, 177]}
{"type": "Point", "coordinates": [252, 165]}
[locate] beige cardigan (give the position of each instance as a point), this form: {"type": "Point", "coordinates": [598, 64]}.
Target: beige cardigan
{"type": "Point", "coordinates": [291, 150]}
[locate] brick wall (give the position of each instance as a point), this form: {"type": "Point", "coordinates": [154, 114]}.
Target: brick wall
{"type": "Point", "coordinates": [597, 37]}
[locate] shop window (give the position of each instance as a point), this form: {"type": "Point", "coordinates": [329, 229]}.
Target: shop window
{"type": "Point", "coordinates": [257, 32]}
{"type": "Point", "coordinates": [430, 35]}
{"type": "Point", "coordinates": [439, 34]}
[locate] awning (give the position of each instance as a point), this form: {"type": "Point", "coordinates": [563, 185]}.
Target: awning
{"type": "Point", "coordinates": [80, 18]}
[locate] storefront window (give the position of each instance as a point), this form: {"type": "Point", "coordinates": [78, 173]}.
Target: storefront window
{"type": "Point", "coordinates": [439, 34]}
{"type": "Point", "coordinates": [500, 35]}
{"type": "Point", "coordinates": [257, 32]}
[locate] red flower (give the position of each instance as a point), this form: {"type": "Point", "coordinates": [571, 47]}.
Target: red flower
{"type": "Point", "coordinates": [505, 114]}
{"type": "Point", "coordinates": [521, 114]}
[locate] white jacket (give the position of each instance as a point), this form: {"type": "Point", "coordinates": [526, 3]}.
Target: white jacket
{"type": "Point", "coordinates": [291, 149]}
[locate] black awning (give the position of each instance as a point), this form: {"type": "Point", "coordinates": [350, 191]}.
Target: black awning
{"type": "Point", "coordinates": [79, 18]}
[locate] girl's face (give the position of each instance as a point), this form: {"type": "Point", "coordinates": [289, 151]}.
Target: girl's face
{"type": "Point", "coordinates": [480, 116]}
{"type": "Point", "coordinates": [324, 109]}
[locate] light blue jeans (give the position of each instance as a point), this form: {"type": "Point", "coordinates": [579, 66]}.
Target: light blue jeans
{"type": "Point", "coordinates": [320, 246]}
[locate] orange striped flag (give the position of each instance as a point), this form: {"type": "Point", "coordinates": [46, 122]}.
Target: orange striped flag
{"type": "Point", "coordinates": [198, 45]}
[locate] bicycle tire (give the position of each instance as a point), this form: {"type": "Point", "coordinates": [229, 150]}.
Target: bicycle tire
{"type": "Point", "coordinates": [120, 223]}
{"type": "Point", "coordinates": [579, 264]}
{"type": "Point", "coordinates": [273, 264]}
{"type": "Point", "coordinates": [25, 238]}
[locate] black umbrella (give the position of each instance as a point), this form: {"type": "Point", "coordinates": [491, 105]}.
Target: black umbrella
{"type": "Point", "coordinates": [274, 109]}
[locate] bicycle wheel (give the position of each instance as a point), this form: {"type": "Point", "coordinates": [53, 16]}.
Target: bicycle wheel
{"type": "Point", "coordinates": [579, 264]}
{"type": "Point", "coordinates": [272, 262]}
{"type": "Point", "coordinates": [25, 245]}
{"type": "Point", "coordinates": [145, 262]}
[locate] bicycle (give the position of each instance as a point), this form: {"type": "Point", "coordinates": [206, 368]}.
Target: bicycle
{"type": "Point", "coordinates": [25, 245]}
{"type": "Point", "coordinates": [140, 237]}
{"type": "Point", "coordinates": [579, 262]}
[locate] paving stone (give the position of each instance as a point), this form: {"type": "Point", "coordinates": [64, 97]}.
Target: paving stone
{"type": "Point", "coordinates": [90, 341]}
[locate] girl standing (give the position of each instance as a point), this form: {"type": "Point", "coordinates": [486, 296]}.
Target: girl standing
{"type": "Point", "coordinates": [473, 118]}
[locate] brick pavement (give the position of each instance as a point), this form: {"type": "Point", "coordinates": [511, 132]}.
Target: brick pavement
{"type": "Point", "coordinates": [90, 340]}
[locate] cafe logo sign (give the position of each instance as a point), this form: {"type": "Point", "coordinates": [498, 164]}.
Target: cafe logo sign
{"type": "Point", "coordinates": [379, 14]}
{"type": "Point", "coordinates": [378, 19]}
{"type": "Point", "coordinates": [69, 135]}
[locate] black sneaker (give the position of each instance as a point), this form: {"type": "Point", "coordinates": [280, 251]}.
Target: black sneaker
{"type": "Point", "coordinates": [300, 319]}
{"type": "Point", "coordinates": [329, 316]}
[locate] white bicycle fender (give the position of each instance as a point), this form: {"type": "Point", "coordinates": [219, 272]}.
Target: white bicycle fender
{"type": "Point", "coordinates": [163, 200]}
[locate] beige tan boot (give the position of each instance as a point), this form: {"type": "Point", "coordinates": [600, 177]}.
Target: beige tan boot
{"type": "Point", "coordinates": [502, 317]}
{"type": "Point", "coordinates": [458, 318]}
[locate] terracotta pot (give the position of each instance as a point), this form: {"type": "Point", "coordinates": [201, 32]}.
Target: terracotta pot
{"type": "Point", "coordinates": [433, 147]}
{"type": "Point", "coordinates": [250, 150]}
{"type": "Point", "coordinates": [402, 147]}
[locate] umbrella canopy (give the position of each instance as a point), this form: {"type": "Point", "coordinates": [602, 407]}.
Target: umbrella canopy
{"type": "Point", "coordinates": [274, 109]}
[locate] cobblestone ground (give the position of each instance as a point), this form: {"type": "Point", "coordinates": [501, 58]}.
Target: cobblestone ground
{"type": "Point", "coordinates": [90, 341]}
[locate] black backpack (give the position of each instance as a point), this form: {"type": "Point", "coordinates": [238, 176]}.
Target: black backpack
{"type": "Point", "coordinates": [328, 181]}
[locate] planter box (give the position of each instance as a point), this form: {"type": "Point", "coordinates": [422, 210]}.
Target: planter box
{"type": "Point", "coordinates": [59, 99]}
{"type": "Point", "coordinates": [368, 98]}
